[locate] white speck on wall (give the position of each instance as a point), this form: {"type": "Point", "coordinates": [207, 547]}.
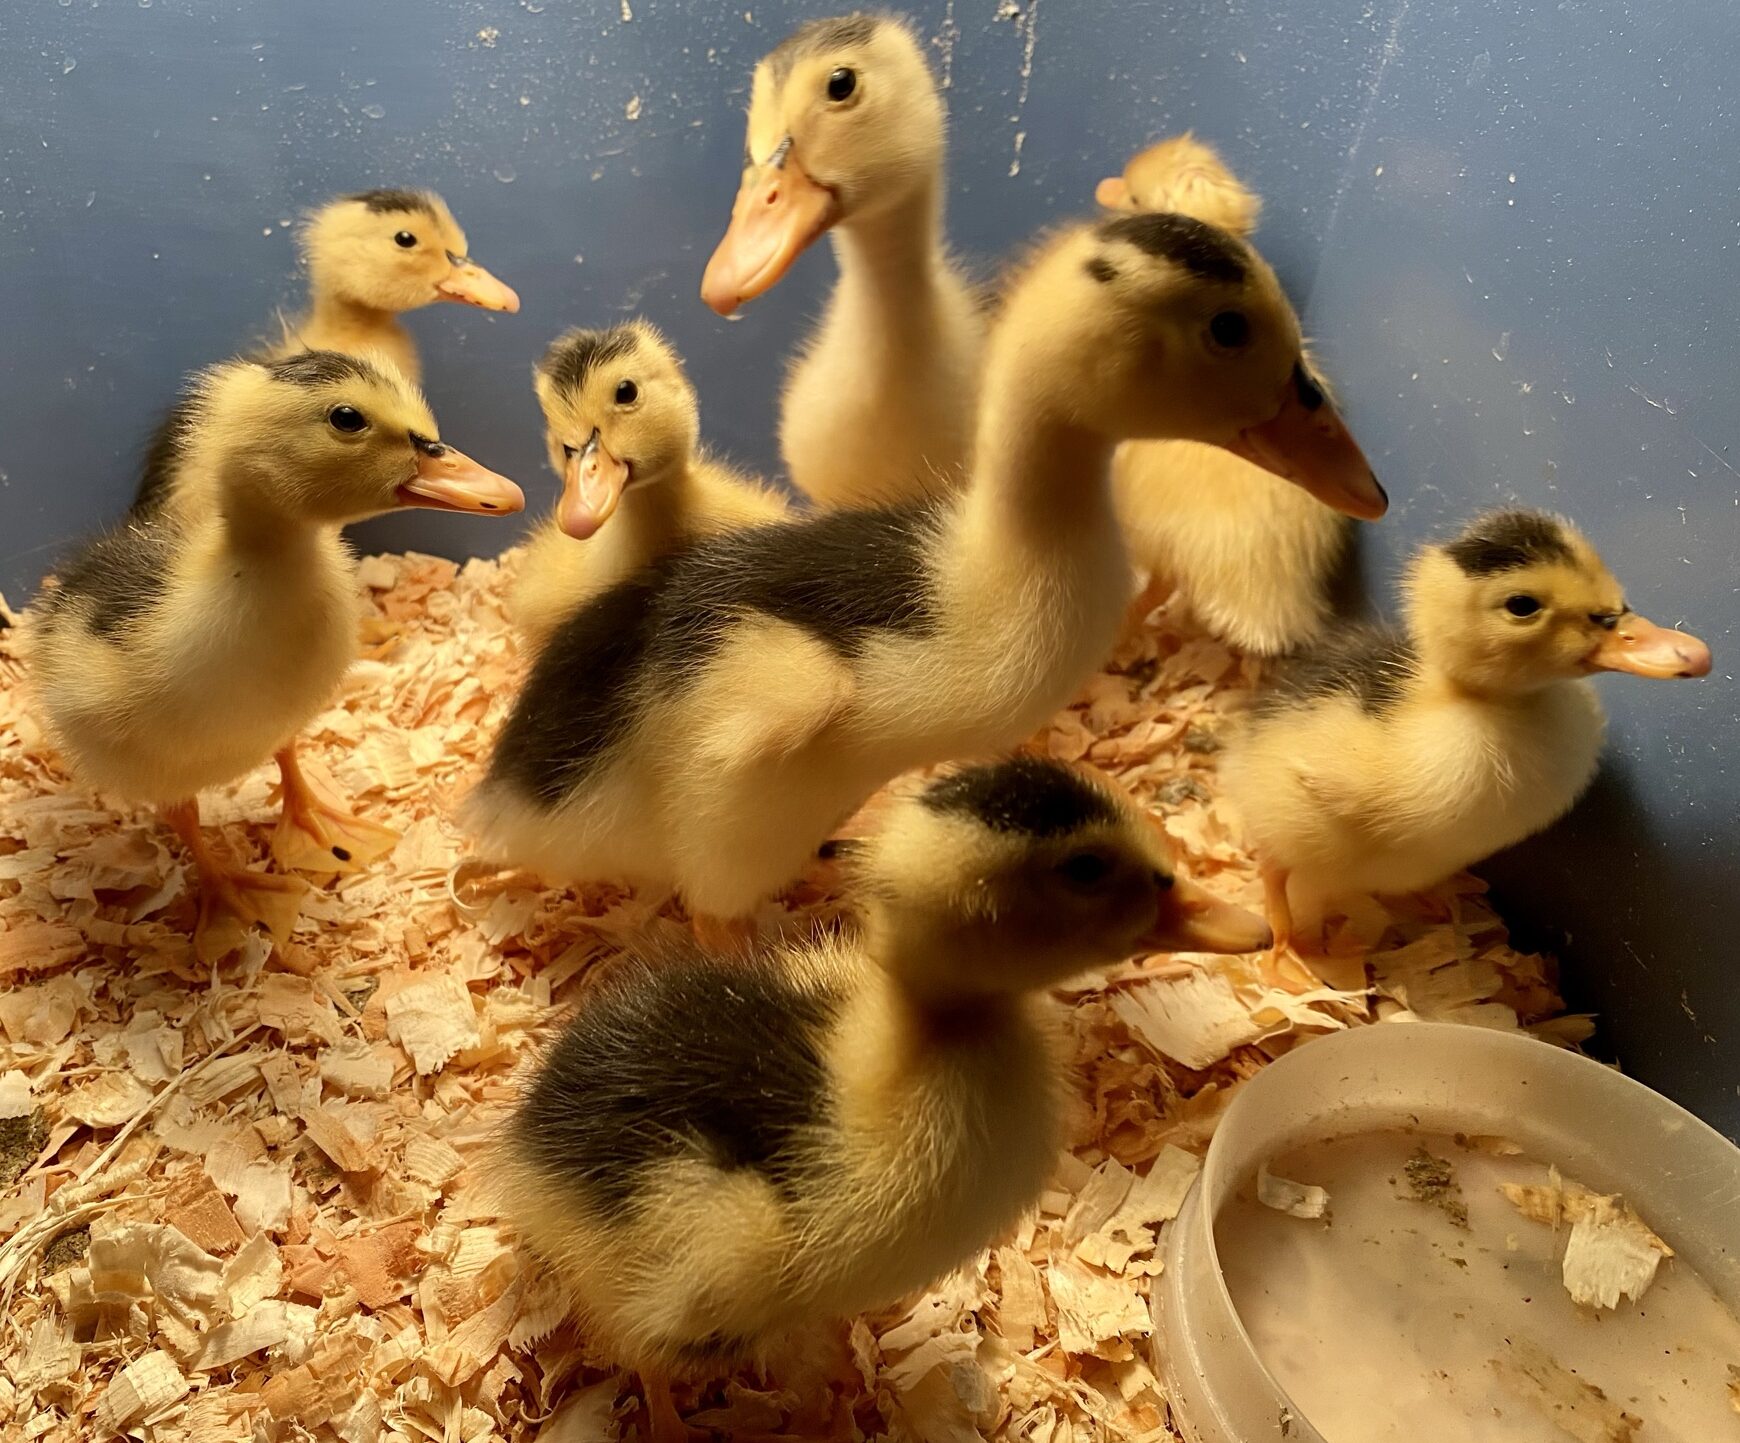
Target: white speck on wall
{"type": "Point", "coordinates": [945, 39]}
{"type": "Point", "coordinates": [631, 111]}
{"type": "Point", "coordinates": [487, 37]}
{"type": "Point", "coordinates": [1027, 27]}
{"type": "Point", "coordinates": [1377, 172]}
{"type": "Point", "coordinates": [1502, 348]}
{"type": "Point", "coordinates": [375, 112]}
{"type": "Point", "coordinates": [1015, 163]}
{"type": "Point", "coordinates": [627, 12]}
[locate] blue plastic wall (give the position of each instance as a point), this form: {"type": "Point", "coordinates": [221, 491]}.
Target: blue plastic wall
{"type": "Point", "coordinates": [1511, 225]}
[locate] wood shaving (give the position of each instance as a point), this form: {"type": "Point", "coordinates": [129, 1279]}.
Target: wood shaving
{"type": "Point", "coordinates": [1296, 1199]}
{"type": "Point", "coordinates": [1610, 1252]}
{"type": "Point", "coordinates": [274, 1160]}
{"type": "Point", "coordinates": [1572, 1408]}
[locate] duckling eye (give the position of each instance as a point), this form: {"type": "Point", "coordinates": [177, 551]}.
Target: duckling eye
{"type": "Point", "coordinates": [570, 451]}
{"type": "Point", "coordinates": [626, 393]}
{"type": "Point", "coordinates": [842, 83]}
{"type": "Point", "coordinates": [1085, 869]}
{"type": "Point", "coordinates": [347, 419]}
{"type": "Point", "coordinates": [405, 238]}
{"type": "Point", "coordinates": [1231, 329]}
{"type": "Point", "coordinates": [1522, 605]}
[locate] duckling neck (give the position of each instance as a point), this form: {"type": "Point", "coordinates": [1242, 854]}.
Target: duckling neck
{"type": "Point", "coordinates": [338, 323]}
{"type": "Point", "coordinates": [1040, 481]}
{"type": "Point", "coordinates": [892, 271]}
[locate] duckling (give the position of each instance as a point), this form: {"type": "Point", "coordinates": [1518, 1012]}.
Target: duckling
{"type": "Point", "coordinates": [1253, 558]}
{"type": "Point", "coordinates": [622, 426]}
{"type": "Point", "coordinates": [846, 136]}
{"type": "Point", "coordinates": [193, 642]}
{"type": "Point", "coordinates": [721, 1152]}
{"type": "Point", "coordinates": [703, 725]}
{"type": "Point", "coordinates": [374, 255]}
{"type": "Point", "coordinates": [1385, 762]}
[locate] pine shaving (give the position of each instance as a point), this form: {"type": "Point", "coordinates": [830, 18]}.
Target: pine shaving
{"type": "Point", "coordinates": [1610, 1252]}
{"type": "Point", "coordinates": [275, 1159]}
{"type": "Point", "coordinates": [1296, 1199]}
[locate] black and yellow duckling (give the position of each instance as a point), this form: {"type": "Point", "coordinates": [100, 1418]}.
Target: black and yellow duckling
{"type": "Point", "coordinates": [194, 641]}
{"type": "Point", "coordinates": [1384, 761]}
{"type": "Point", "coordinates": [623, 431]}
{"type": "Point", "coordinates": [724, 1151]}
{"type": "Point", "coordinates": [703, 726]}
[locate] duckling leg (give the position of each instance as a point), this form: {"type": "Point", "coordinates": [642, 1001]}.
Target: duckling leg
{"type": "Point", "coordinates": [664, 1423]}
{"type": "Point", "coordinates": [232, 898]}
{"type": "Point", "coordinates": [317, 835]}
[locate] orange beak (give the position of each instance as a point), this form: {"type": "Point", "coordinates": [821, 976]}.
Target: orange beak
{"type": "Point", "coordinates": [592, 484]}
{"type": "Point", "coordinates": [470, 284]}
{"type": "Point", "coordinates": [778, 214]}
{"type": "Point", "coordinates": [449, 480]}
{"type": "Point", "coordinates": [1306, 442]}
{"type": "Point", "coordinates": [1114, 193]}
{"type": "Point", "coordinates": [1193, 920]}
{"type": "Point", "coordinates": [1639, 646]}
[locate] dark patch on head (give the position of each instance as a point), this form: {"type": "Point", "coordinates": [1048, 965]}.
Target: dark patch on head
{"type": "Point", "coordinates": [679, 1055]}
{"type": "Point", "coordinates": [163, 456]}
{"type": "Point", "coordinates": [574, 355]}
{"type": "Point", "coordinates": [321, 368]}
{"type": "Point", "coordinates": [1102, 270]}
{"type": "Point", "coordinates": [818, 37]}
{"type": "Point", "coordinates": [389, 202]}
{"type": "Point", "coordinates": [1202, 249]}
{"type": "Point", "coordinates": [1371, 664]}
{"type": "Point", "coordinates": [1506, 540]}
{"type": "Point", "coordinates": [1305, 387]}
{"type": "Point", "coordinates": [111, 581]}
{"type": "Point", "coordinates": [1029, 795]}
{"type": "Point", "coordinates": [841, 576]}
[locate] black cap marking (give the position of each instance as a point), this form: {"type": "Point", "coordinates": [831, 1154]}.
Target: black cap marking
{"type": "Point", "coordinates": [1202, 249]}
{"type": "Point", "coordinates": [818, 37]}
{"type": "Point", "coordinates": [1102, 270]}
{"type": "Point", "coordinates": [1029, 795]}
{"type": "Point", "coordinates": [1505, 540]}
{"type": "Point", "coordinates": [322, 368]}
{"type": "Point", "coordinates": [574, 355]}
{"type": "Point", "coordinates": [387, 202]}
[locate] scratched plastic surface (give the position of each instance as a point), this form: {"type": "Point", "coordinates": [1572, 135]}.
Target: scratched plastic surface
{"type": "Point", "coordinates": [1511, 226]}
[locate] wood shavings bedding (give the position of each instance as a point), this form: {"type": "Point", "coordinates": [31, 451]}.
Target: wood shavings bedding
{"type": "Point", "coordinates": [238, 1203]}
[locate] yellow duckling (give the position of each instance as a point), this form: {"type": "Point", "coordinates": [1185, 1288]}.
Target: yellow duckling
{"type": "Point", "coordinates": [194, 641]}
{"type": "Point", "coordinates": [846, 136]}
{"type": "Point", "coordinates": [622, 428]}
{"type": "Point", "coordinates": [722, 1153]}
{"type": "Point", "coordinates": [704, 725]}
{"type": "Point", "coordinates": [1385, 762]}
{"type": "Point", "coordinates": [374, 255]}
{"type": "Point", "coordinates": [1254, 558]}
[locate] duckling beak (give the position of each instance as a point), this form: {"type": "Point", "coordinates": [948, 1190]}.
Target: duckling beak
{"type": "Point", "coordinates": [592, 484]}
{"type": "Point", "coordinates": [449, 480]}
{"type": "Point", "coordinates": [471, 285]}
{"type": "Point", "coordinates": [1306, 442]}
{"type": "Point", "coordinates": [1639, 646]}
{"type": "Point", "coordinates": [1193, 920]}
{"type": "Point", "coordinates": [778, 214]}
{"type": "Point", "coordinates": [1114, 193]}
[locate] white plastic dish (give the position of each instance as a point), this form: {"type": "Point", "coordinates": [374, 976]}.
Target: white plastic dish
{"type": "Point", "coordinates": [1601, 1130]}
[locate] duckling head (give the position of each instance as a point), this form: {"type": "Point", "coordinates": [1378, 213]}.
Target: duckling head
{"type": "Point", "coordinates": [1013, 875]}
{"type": "Point", "coordinates": [844, 123]}
{"type": "Point", "coordinates": [1159, 326]}
{"type": "Point", "coordinates": [332, 438]}
{"type": "Point", "coordinates": [1182, 174]}
{"type": "Point", "coordinates": [1520, 600]}
{"type": "Point", "coordinates": [619, 411]}
{"type": "Point", "coordinates": [396, 250]}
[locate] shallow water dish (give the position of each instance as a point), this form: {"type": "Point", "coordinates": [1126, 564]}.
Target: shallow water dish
{"type": "Point", "coordinates": [1414, 1314]}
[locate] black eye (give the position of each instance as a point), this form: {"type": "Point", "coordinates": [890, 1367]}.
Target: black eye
{"type": "Point", "coordinates": [1522, 605]}
{"type": "Point", "coordinates": [842, 83]}
{"type": "Point", "coordinates": [1085, 869]}
{"type": "Point", "coordinates": [347, 419]}
{"type": "Point", "coordinates": [1606, 620]}
{"type": "Point", "coordinates": [570, 451]}
{"type": "Point", "coordinates": [626, 393]}
{"type": "Point", "coordinates": [1230, 329]}
{"type": "Point", "coordinates": [405, 238]}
